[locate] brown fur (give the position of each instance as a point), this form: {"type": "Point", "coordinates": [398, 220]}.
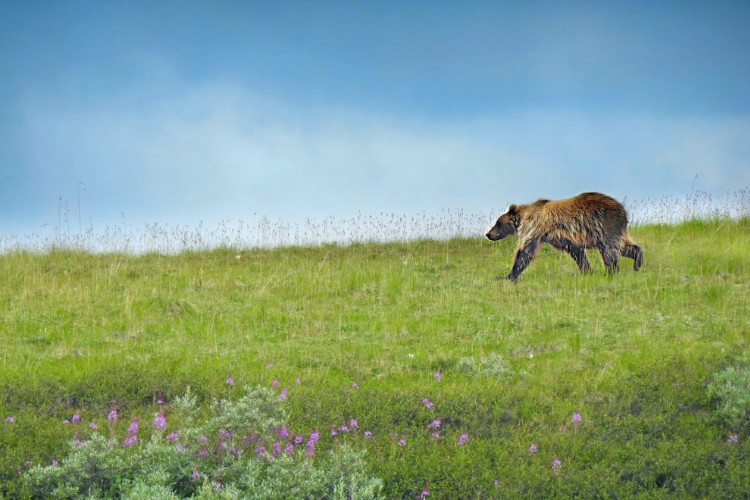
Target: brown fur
{"type": "Point", "coordinates": [589, 220]}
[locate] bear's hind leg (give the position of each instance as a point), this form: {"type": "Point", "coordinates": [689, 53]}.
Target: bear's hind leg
{"type": "Point", "coordinates": [610, 256]}
{"type": "Point", "coordinates": [633, 251]}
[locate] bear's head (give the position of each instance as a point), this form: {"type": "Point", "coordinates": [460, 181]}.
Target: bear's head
{"type": "Point", "coordinates": [506, 224]}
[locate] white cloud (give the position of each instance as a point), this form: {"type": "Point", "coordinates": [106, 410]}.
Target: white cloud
{"type": "Point", "coordinates": [220, 153]}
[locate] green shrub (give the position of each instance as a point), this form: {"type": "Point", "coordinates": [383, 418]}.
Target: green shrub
{"type": "Point", "coordinates": [731, 389]}
{"type": "Point", "coordinates": [242, 449]}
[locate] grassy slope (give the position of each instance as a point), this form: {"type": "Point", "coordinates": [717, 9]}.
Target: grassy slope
{"type": "Point", "coordinates": [632, 354]}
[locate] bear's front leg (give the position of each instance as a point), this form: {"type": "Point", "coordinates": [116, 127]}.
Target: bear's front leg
{"type": "Point", "coordinates": [524, 256]}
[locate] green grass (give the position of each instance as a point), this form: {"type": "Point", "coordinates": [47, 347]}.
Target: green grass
{"type": "Point", "coordinates": [633, 354]}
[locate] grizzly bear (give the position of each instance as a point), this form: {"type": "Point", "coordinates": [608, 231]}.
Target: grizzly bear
{"type": "Point", "coordinates": [589, 220]}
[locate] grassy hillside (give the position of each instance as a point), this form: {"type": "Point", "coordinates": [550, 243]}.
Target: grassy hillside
{"type": "Point", "coordinates": [558, 385]}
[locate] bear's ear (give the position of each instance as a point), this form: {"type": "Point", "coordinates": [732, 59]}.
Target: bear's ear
{"type": "Point", "coordinates": [512, 209]}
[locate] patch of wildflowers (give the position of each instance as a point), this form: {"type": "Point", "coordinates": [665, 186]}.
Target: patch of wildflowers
{"type": "Point", "coordinates": [434, 424]}
{"type": "Point", "coordinates": [112, 416]}
{"type": "Point", "coordinates": [428, 404]}
{"type": "Point", "coordinates": [462, 439]}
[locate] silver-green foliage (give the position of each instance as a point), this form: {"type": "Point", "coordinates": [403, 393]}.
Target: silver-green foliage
{"type": "Point", "coordinates": [731, 388]}
{"type": "Point", "coordinates": [193, 465]}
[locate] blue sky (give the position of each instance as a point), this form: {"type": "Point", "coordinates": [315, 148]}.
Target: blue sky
{"type": "Point", "coordinates": [180, 111]}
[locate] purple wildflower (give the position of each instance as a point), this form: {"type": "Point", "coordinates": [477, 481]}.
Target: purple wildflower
{"type": "Point", "coordinates": [314, 437]}
{"type": "Point", "coordinates": [275, 383]}
{"type": "Point", "coordinates": [533, 448]}
{"type": "Point", "coordinates": [434, 424]}
{"type": "Point", "coordinates": [353, 424]}
{"type": "Point", "coordinates": [93, 425]}
{"type": "Point", "coordinates": [10, 420]}
{"type": "Point", "coordinates": [368, 434]}
{"type": "Point", "coordinates": [428, 404]}
{"type": "Point", "coordinates": [462, 439]}
{"type": "Point", "coordinates": [76, 418]}
{"type": "Point", "coordinates": [130, 440]}
{"type": "Point", "coordinates": [576, 419]}
{"type": "Point", "coordinates": [173, 437]}
{"type": "Point", "coordinates": [160, 422]}
{"type": "Point", "coordinates": [311, 443]}
{"type": "Point", "coordinates": [435, 436]}
{"type": "Point", "coordinates": [425, 492]}
{"type": "Point", "coordinates": [276, 448]}
{"type": "Point", "coordinates": [298, 439]}
{"type": "Point", "coordinates": [733, 439]}
{"type": "Point", "coordinates": [196, 475]}
{"type": "Point", "coordinates": [402, 442]}
{"type": "Point", "coordinates": [55, 463]}
{"type": "Point", "coordinates": [66, 421]}
{"type": "Point", "coordinates": [334, 432]}
{"type": "Point", "coordinates": [437, 376]}
{"type": "Point", "coordinates": [344, 428]}
{"type": "Point", "coordinates": [556, 465]}
{"type": "Point", "coordinates": [112, 417]}
{"type": "Point", "coordinates": [289, 448]}
{"type": "Point", "coordinates": [281, 432]}
{"type": "Point", "coordinates": [282, 396]}
{"type": "Point", "coordinates": [269, 365]}
{"type": "Point", "coordinates": [133, 428]}
{"type": "Point", "coordinates": [204, 439]}
{"type": "Point", "coordinates": [230, 381]}
{"type": "Point", "coordinates": [260, 450]}
{"type": "Point", "coordinates": [355, 386]}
